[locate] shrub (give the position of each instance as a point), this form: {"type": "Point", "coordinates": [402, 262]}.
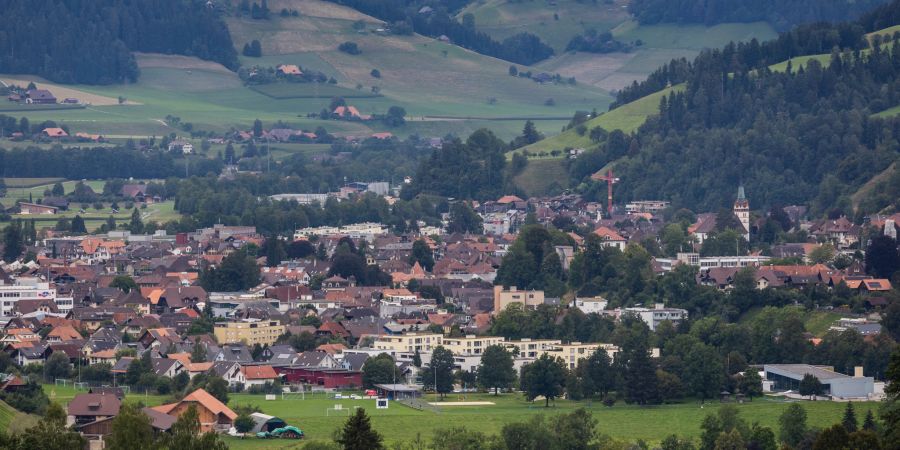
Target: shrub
{"type": "Point", "coordinates": [350, 48]}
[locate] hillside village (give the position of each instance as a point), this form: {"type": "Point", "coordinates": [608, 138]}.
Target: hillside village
{"type": "Point", "coordinates": [112, 300]}
{"type": "Point", "coordinates": [452, 225]}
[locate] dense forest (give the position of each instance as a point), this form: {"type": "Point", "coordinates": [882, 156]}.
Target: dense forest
{"type": "Point", "coordinates": [73, 41]}
{"type": "Point", "coordinates": [466, 170]}
{"type": "Point", "coordinates": [805, 135]}
{"type": "Point", "coordinates": [782, 14]}
{"type": "Point", "coordinates": [436, 19]}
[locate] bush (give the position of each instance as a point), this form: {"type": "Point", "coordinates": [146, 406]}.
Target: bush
{"type": "Point", "coordinates": [609, 402]}
{"type": "Point", "coordinates": [375, 73]}
{"type": "Point", "coordinates": [350, 48]}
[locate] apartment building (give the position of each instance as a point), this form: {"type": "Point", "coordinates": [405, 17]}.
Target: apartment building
{"type": "Point", "coordinates": [471, 344]}
{"type": "Point", "coordinates": [25, 289]}
{"type": "Point", "coordinates": [409, 342]}
{"type": "Point", "coordinates": [573, 352]}
{"type": "Point", "coordinates": [249, 331]}
{"type": "Point", "coordinates": [505, 297]}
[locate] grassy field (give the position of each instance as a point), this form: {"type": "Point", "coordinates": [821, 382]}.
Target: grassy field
{"type": "Point", "coordinates": [29, 182]}
{"type": "Point", "coordinates": [542, 174]}
{"type": "Point", "coordinates": [423, 75]}
{"type": "Point", "coordinates": [400, 423]}
{"type": "Point", "coordinates": [627, 118]}
{"type": "Point", "coordinates": [659, 45]}
{"type": "Point", "coordinates": [280, 91]}
{"type": "Point", "coordinates": [23, 108]}
{"type": "Point", "coordinates": [554, 23]}
{"type": "Point", "coordinates": [890, 112]}
{"type": "Point", "coordinates": [815, 322]}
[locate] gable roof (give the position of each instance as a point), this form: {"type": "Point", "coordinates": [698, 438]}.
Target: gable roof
{"type": "Point", "coordinates": [203, 398]}
{"type": "Point", "coordinates": [94, 405]}
{"type": "Point", "coordinates": [263, 372]}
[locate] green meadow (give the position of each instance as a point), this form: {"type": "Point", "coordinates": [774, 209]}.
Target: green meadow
{"type": "Point", "coordinates": [400, 423]}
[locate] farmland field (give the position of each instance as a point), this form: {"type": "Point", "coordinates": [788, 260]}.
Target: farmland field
{"type": "Point", "coordinates": [401, 423]}
{"type": "Point", "coordinates": [309, 90]}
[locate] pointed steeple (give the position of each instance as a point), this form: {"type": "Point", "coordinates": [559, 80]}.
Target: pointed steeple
{"type": "Point", "coordinates": [741, 195]}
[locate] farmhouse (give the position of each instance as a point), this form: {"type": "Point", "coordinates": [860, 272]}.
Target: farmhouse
{"type": "Point", "coordinates": [54, 132]}
{"type": "Point", "coordinates": [40, 96]}
{"type": "Point", "coordinates": [34, 208]}
{"type": "Point", "coordinates": [289, 69]}
{"type": "Point", "coordinates": [214, 415]}
{"type": "Point", "coordinates": [87, 408]}
{"type": "Point", "coordinates": [179, 144]}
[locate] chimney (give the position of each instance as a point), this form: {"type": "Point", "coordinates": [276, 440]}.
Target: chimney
{"type": "Point", "coordinates": [858, 372]}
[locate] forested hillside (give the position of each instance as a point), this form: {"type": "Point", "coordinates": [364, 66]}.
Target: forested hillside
{"type": "Point", "coordinates": [90, 42]}
{"type": "Point", "coordinates": [782, 14]}
{"type": "Point", "coordinates": [796, 136]}
{"type": "Point", "coordinates": [436, 19]}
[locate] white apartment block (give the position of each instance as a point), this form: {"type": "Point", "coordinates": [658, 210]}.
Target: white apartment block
{"type": "Point", "coordinates": [27, 289]}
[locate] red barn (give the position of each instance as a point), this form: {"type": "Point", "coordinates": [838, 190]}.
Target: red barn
{"type": "Point", "coordinates": [327, 378]}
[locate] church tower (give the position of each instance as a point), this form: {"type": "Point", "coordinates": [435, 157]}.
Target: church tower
{"type": "Point", "coordinates": [742, 211]}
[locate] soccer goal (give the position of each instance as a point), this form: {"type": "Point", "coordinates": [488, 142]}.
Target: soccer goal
{"type": "Point", "coordinates": [289, 395]}
{"type": "Point", "coordinates": [80, 386]}
{"type": "Point", "coordinates": [338, 410]}
{"type": "Point", "coordinates": [62, 381]}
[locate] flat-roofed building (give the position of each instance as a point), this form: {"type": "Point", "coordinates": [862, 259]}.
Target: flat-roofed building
{"type": "Point", "coordinates": [249, 331]}
{"type": "Point", "coordinates": [471, 344]}
{"type": "Point", "coordinates": [505, 297]}
{"type": "Point", "coordinates": [573, 352]}
{"type": "Point", "coordinates": [409, 342]}
{"type": "Point", "coordinates": [787, 377]}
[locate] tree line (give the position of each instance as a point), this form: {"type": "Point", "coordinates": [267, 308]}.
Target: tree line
{"type": "Point", "coordinates": [70, 41]}
{"type": "Point", "coordinates": [781, 14]}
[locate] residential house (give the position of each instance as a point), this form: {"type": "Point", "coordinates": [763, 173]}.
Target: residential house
{"type": "Point", "coordinates": [87, 408]}
{"type": "Point", "coordinates": [214, 415]}
{"type": "Point", "coordinates": [259, 375]}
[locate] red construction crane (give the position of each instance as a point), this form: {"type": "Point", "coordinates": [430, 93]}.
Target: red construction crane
{"type": "Point", "coordinates": [610, 180]}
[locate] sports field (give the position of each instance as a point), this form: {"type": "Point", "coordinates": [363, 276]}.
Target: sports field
{"type": "Point", "coordinates": [401, 423]}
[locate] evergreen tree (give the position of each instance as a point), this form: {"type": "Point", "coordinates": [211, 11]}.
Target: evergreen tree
{"type": "Point", "coordinates": [257, 128]}
{"type": "Point", "coordinates": [793, 424]}
{"type": "Point", "coordinates": [869, 423]}
{"type": "Point", "coordinates": [882, 257]}
{"type": "Point", "coordinates": [358, 434]}
{"type": "Point", "coordinates": [13, 241]}
{"type": "Point", "coordinates": [599, 371]}
{"type": "Point", "coordinates": [110, 223]}
{"type": "Point", "coordinates": [496, 370]}
{"type": "Point", "coordinates": [640, 377]}
{"type": "Point", "coordinates": [530, 134]}
{"type": "Point", "coordinates": [890, 410]}
{"type": "Point", "coordinates": [849, 420]}
{"type": "Point", "coordinates": [136, 225]}
{"type": "Point", "coordinates": [198, 353]}
{"type": "Point", "coordinates": [417, 359]}
{"type": "Point", "coordinates": [78, 225]}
